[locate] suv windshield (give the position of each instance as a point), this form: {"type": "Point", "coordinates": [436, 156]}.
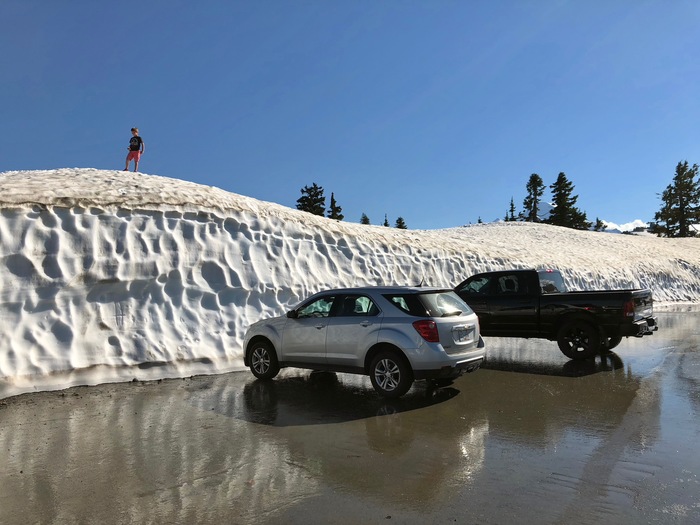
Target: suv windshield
{"type": "Point", "coordinates": [429, 304]}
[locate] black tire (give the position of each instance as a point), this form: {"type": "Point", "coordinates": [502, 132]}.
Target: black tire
{"type": "Point", "coordinates": [263, 360]}
{"type": "Point", "coordinates": [390, 373]}
{"type": "Point", "coordinates": [610, 342]}
{"type": "Point", "coordinates": [579, 340]}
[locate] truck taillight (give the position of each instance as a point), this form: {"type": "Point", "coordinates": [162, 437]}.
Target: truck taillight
{"type": "Point", "coordinates": [427, 330]}
{"type": "Point", "coordinates": [628, 308]}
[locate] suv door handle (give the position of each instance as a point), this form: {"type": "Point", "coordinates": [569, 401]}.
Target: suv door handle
{"type": "Point", "coordinates": [319, 326]}
{"type": "Point", "coordinates": [365, 323]}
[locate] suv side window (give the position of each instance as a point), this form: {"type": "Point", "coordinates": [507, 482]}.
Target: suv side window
{"type": "Point", "coordinates": [321, 307]}
{"type": "Point", "coordinates": [357, 305]}
{"type": "Point", "coordinates": [408, 303]}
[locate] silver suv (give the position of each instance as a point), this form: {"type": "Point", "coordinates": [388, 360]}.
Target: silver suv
{"type": "Point", "coordinates": [393, 334]}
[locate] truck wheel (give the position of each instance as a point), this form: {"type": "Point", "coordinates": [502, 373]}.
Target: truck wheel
{"type": "Point", "coordinates": [578, 340]}
{"type": "Point", "coordinates": [610, 342]}
{"type": "Point", "coordinates": [391, 375]}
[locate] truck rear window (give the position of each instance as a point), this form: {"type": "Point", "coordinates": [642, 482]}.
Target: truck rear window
{"type": "Point", "coordinates": [551, 281]}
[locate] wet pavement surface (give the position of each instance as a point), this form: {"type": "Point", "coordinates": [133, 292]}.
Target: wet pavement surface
{"type": "Point", "coordinates": [529, 438]}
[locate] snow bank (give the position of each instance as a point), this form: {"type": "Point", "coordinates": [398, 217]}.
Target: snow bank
{"type": "Point", "coordinates": [111, 275]}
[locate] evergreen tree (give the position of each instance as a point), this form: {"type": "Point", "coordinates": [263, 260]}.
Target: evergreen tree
{"type": "Point", "coordinates": [401, 224]}
{"type": "Point", "coordinates": [479, 221]}
{"type": "Point", "coordinates": [510, 216]}
{"type": "Point", "coordinates": [364, 219]}
{"type": "Point", "coordinates": [386, 221]}
{"type": "Point", "coordinates": [599, 225]}
{"type": "Point", "coordinates": [312, 200]}
{"type": "Point", "coordinates": [334, 211]}
{"type": "Point", "coordinates": [531, 204]}
{"type": "Point", "coordinates": [565, 213]}
{"type": "Point", "coordinates": [681, 204]}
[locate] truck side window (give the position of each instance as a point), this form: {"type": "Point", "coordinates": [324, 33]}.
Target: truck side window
{"type": "Point", "coordinates": [477, 286]}
{"type": "Point", "coordinates": [513, 284]}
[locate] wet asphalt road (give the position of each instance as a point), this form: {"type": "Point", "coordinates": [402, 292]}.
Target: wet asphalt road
{"type": "Point", "coordinates": [529, 438]}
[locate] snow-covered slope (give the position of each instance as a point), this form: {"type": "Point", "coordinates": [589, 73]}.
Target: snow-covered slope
{"type": "Point", "coordinates": [110, 275]}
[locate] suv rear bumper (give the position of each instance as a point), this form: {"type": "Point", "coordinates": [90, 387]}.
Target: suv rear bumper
{"type": "Point", "coordinates": [455, 367]}
{"type": "Point", "coordinates": [450, 372]}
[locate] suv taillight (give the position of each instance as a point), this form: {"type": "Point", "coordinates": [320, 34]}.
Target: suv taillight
{"type": "Point", "coordinates": [427, 330]}
{"type": "Point", "coordinates": [628, 308]}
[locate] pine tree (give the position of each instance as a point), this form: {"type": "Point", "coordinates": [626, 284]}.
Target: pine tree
{"type": "Point", "coordinates": [510, 217]}
{"type": "Point", "coordinates": [386, 221]}
{"type": "Point", "coordinates": [312, 200]}
{"type": "Point", "coordinates": [565, 213]}
{"type": "Point", "coordinates": [364, 219]}
{"type": "Point", "coordinates": [334, 211]}
{"type": "Point", "coordinates": [599, 225]}
{"type": "Point", "coordinates": [681, 204]}
{"type": "Point", "coordinates": [531, 204]}
{"type": "Point", "coordinates": [401, 224]}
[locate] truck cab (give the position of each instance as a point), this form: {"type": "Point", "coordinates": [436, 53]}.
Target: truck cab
{"type": "Point", "coordinates": [537, 304]}
{"type": "Point", "coordinates": [506, 302]}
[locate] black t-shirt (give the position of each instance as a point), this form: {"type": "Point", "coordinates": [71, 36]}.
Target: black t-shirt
{"type": "Point", "coordinates": [135, 143]}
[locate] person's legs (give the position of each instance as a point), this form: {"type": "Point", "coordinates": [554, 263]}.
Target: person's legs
{"type": "Point", "coordinates": [137, 158]}
{"type": "Point", "coordinates": [126, 166]}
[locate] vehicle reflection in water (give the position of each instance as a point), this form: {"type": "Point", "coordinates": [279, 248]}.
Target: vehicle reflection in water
{"type": "Point", "coordinates": [323, 398]}
{"type": "Point", "coordinates": [342, 433]}
{"type": "Point", "coordinates": [533, 390]}
{"type": "Point", "coordinates": [528, 429]}
{"type": "Point", "coordinates": [608, 362]}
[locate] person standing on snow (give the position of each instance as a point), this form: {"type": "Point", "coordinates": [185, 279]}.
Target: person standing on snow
{"type": "Point", "coordinates": [136, 148]}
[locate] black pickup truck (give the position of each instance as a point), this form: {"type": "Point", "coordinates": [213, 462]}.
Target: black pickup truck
{"type": "Point", "coordinates": [535, 303]}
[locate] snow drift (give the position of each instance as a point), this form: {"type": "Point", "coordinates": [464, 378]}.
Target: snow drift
{"type": "Point", "coordinates": [111, 275]}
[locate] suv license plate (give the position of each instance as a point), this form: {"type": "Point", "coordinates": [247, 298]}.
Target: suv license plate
{"type": "Point", "coordinates": [463, 334]}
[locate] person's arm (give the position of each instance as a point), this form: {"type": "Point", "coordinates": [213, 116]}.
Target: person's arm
{"type": "Point", "coordinates": [143, 146]}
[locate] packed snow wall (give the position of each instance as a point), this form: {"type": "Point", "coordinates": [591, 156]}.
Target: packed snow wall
{"type": "Point", "coordinates": [90, 282]}
{"type": "Point", "coordinates": [81, 287]}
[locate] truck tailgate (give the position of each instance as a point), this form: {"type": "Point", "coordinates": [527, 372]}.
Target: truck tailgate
{"type": "Point", "coordinates": [643, 304]}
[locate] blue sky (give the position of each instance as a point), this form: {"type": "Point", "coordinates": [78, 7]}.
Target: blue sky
{"type": "Point", "coordinates": [436, 111]}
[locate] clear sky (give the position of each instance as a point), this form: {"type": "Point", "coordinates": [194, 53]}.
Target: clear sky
{"type": "Point", "coordinates": [436, 111]}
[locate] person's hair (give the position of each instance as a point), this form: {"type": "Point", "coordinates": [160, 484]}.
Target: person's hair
{"type": "Point", "coordinates": [135, 129]}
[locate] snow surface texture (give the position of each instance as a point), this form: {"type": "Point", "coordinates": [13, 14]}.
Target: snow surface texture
{"type": "Point", "coordinates": [111, 275]}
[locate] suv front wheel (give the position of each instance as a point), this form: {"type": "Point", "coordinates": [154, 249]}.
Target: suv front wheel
{"type": "Point", "coordinates": [390, 373]}
{"type": "Point", "coordinates": [263, 360]}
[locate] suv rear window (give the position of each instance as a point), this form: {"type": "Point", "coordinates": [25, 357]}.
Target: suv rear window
{"type": "Point", "coordinates": [429, 304]}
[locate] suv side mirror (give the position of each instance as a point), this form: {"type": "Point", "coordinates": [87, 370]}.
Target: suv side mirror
{"type": "Point", "coordinates": [292, 314]}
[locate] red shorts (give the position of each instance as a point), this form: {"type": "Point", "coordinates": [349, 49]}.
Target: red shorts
{"type": "Point", "coordinates": [134, 155]}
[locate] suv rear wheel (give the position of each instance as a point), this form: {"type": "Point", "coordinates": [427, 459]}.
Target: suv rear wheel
{"type": "Point", "coordinates": [390, 373]}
